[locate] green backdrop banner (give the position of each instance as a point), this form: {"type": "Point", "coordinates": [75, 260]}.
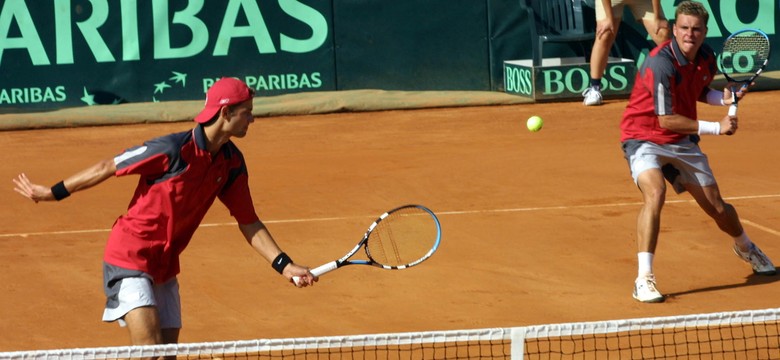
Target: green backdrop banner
{"type": "Point", "coordinates": [69, 53]}
{"type": "Point", "coordinates": [58, 53]}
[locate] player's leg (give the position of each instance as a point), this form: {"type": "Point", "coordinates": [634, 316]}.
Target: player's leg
{"type": "Point", "coordinates": [698, 179]}
{"type": "Point", "coordinates": [710, 200]}
{"type": "Point", "coordinates": [653, 187]}
{"type": "Point", "coordinates": [645, 162]}
{"type": "Point", "coordinates": [158, 323]}
{"type": "Point", "coordinates": [152, 312]}
{"type": "Point", "coordinates": [651, 183]}
{"type": "Point", "coordinates": [130, 301]}
{"type": "Point", "coordinates": [170, 336]}
{"type": "Point", "coordinates": [144, 326]}
{"type": "Point", "coordinates": [169, 308]}
{"type": "Point", "coordinates": [143, 323]}
{"type": "Point", "coordinates": [727, 219]}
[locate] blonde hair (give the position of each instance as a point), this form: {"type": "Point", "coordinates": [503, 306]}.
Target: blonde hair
{"type": "Point", "coordinates": [692, 8]}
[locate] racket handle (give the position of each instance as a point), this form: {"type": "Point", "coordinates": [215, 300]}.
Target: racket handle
{"type": "Point", "coordinates": [733, 110]}
{"type": "Point", "coordinates": [320, 270]}
{"type": "Point", "coordinates": [733, 106]}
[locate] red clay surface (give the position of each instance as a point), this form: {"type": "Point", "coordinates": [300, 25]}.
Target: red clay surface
{"type": "Point", "coordinates": [538, 227]}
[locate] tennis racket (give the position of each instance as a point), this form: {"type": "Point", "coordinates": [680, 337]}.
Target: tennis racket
{"type": "Point", "coordinates": [744, 56]}
{"type": "Point", "coordinates": [399, 239]}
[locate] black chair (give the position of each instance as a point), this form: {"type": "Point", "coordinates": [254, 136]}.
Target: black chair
{"type": "Point", "coordinates": [556, 21]}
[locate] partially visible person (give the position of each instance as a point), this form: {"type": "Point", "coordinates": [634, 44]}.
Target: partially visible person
{"type": "Point", "coordinates": [180, 176]}
{"type": "Point", "coordinates": [660, 132]}
{"type": "Point", "coordinates": [609, 14]}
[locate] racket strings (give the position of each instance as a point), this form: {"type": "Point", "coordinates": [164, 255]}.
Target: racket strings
{"type": "Point", "coordinates": [386, 248]}
{"type": "Point", "coordinates": [745, 53]}
{"type": "Point", "coordinates": [402, 238]}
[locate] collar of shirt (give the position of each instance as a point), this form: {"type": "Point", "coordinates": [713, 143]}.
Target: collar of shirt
{"type": "Point", "coordinates": [678, 55]}
{"type": "Point", "coordinates": [199, 134]}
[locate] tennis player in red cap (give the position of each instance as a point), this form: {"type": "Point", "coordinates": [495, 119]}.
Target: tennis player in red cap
{"type": "Point", "coordinates": [180, 176]}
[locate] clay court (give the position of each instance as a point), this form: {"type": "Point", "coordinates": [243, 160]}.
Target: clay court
{"type": "Point", "coordinates": [538, 228]}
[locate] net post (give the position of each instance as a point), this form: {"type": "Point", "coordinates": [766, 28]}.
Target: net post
{"type": "Point", "coordinates": [517, 336]}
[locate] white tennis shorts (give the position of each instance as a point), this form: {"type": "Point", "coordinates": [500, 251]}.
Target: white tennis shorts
{"type": "Point", "coordinates": [132, 290]}
{"type": "Point", "coordinates": [640, 9]}
{"type": "Point", "coordinates": [681, 163]}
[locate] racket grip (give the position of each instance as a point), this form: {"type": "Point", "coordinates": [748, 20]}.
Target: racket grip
{"type": "Point", "coordinates": [733, 110]}
{"type": "Point", "coordinates": [320, 270]}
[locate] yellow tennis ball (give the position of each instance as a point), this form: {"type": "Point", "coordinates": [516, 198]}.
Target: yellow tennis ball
{"type": "Point", "coordinates": [534, 123]}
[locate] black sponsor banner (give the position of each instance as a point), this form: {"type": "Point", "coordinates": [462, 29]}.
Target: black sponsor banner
{"type": "Point", "coordinates": [566, 78]}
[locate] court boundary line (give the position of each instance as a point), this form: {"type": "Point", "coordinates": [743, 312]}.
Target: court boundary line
{"type": "Point", "coordinates": [439, 213]}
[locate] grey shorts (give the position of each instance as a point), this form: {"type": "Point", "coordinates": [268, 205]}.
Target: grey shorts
{"type": "Point", "coordinates": [681, 163]}
{"type": "Point", "coordinates": [130, 289]}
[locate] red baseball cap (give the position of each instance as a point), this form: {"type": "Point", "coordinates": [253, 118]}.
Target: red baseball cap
{"type": "Point", "coordinates": [226, 91]}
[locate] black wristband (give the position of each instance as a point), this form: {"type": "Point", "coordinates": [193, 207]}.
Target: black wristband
{"type": "Point", "coordinates": [281, 261]}
{"type": "Point", "coordinates": [59, 191]}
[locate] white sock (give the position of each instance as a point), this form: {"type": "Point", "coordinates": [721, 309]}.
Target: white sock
{"type": "Point", "coordinates": [645, 261]}
{"type": "Point", "coordinates": [743, 242]}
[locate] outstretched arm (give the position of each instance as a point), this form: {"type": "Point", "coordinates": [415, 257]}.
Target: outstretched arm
{"type": "Point", "coordinates": [84, 179]}
{"type": "Point", "coordinates": [261, 240]}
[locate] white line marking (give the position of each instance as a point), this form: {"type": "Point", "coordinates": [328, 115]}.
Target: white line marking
{"type": "Point", "coordinates": [591, 206]}
{"type": "Point", "coordinates": [464, 212]}
{"type": "Point", "coordinates": [760, 227]}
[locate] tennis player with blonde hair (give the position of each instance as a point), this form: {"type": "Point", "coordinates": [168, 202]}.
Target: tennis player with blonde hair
{"type": "Point", "coordinates": [660, 134]}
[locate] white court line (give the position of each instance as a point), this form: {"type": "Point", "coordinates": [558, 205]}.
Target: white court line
{"type": "Point", "coordinates": [760, 227]}
{"type": "Point", "coordinates": [465, 212]}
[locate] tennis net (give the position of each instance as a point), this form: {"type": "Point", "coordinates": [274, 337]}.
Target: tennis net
{"type": "Point", "coordinates": [726, 335]}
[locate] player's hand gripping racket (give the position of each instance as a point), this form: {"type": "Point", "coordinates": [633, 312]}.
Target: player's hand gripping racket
{"type": "Point", "coordinates": [399, 239]}
{"type": "Point", "coordinates": [744, 56]}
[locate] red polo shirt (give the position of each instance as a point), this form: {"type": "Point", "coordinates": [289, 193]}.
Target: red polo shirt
{"type": "Point", "coordinates": [179, 180]}
{"type": "Point", "coordinates": [666, 83]}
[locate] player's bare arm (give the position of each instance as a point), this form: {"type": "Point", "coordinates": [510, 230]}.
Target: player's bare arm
{"type": "Point", "coordinates": [260, 238]}
{"type": "Point", "coordinates": [84, 179]}
{"type": "Point", "coordinates": [685, 125]}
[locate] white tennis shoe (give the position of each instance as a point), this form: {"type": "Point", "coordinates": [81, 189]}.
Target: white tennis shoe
{"type": "Point", "coordinates": [592, 96]}
{"type": "Point", "coordinates": [756, 258]}
{"type": "Point", "coordinates": [645, 290]}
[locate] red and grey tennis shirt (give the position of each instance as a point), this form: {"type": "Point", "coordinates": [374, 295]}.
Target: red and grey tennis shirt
{"type": "Point", "coordinates": [179, 180]}
{"type": "Point", "coordinates": [667, 83]}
